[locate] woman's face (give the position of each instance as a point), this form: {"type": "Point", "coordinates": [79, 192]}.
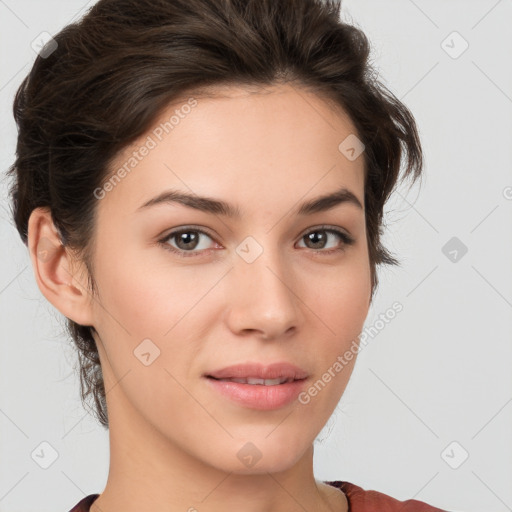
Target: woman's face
{"type": "Point", "coordinates": [229, 290]}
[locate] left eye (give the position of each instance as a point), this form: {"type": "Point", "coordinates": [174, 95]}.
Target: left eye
{"type": "Point", "coordinates": [188, 239]}
{"type": "Point", "coordinates": [312, 236]}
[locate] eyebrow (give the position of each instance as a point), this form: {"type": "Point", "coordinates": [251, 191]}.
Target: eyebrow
{"type": "Point", "coordinates": [219, 207]}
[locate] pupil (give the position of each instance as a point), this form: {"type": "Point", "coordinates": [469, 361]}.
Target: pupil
{"type": "Point", "coordinates": [186, 238]}
{"type": "Point", "coordinates": [315, 238]}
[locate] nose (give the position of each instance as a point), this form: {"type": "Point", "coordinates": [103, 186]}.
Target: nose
{"type": "Point", "coordinates": [261, 297]}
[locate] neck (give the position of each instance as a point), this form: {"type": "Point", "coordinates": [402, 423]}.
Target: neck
{"type": "Point", "coordinates": [150, 472]}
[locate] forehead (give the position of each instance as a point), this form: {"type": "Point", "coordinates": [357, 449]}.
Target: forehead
{"type": "Point", "coordinates": [277, 145]}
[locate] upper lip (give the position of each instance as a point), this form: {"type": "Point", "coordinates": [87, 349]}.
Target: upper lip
{"type": "Point", "coordinates": [259, 371]}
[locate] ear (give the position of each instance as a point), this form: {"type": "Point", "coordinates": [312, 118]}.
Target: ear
{"type": "Point", "coordinates": [61, 278]}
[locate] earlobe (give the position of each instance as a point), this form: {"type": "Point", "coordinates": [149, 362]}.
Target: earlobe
{"type": "Point", "coordinates": [56, 272]}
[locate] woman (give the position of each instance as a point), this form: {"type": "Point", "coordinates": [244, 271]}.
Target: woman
{"type": "Point", "coordinates": [201, 188]}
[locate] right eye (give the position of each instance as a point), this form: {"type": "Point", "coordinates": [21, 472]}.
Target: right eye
{"type": "Point", "coordinates": [187, 239]}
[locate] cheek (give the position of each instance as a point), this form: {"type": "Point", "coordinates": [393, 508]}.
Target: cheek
{"type": "Point", "coordinates": [153, 297]}
{"type": "Point", "coordinates": [348, 303]}
{"type": "Point", "coordinates": [340, 296]}
{"type": "Point", "coordinates": [150, 320]}
{"type": "Point", "coordinates": [341, 302]}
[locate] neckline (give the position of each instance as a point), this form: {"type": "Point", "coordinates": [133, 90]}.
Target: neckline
{"type": "Point", "coordinates": [85, 503]}
{"type": "Point", "coordinates": [342, 486]}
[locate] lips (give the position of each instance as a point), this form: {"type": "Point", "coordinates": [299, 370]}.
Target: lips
{"type": "Point", "coordinates": [257, 373]}
{"type": "Point", "coordinates": [259, 387]}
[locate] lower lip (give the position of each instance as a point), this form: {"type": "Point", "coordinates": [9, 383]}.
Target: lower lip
{"type": "Point", "coordinates": [259, 396]}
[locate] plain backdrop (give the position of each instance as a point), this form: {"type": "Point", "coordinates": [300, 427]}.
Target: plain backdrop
{"type": "Point", "coordinates": [428, 411]}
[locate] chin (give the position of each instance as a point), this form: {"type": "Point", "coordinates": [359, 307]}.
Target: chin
{"type": "Point", "coordinates": [262, 455]}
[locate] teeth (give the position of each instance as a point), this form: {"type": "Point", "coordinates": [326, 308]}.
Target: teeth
{"type": "Point", "coordinates": [266, 382]}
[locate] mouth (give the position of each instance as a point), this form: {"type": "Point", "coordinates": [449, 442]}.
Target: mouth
{"type": "Point", "coordinates": [257, 381]}
{"type": "Point", "coordinates": [258, 373]}
{"type": "Point", "coordinates": [255, 392]}
{"type": "Point", "coordinates": [254, 385]}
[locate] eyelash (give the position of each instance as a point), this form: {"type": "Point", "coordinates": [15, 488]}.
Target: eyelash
{"type": "Point", "coordinates": [346, 240]}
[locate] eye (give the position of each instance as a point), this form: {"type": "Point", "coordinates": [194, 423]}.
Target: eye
{"type": "Point", "coordinates": [187, 239]}
{"type": "Point", "coordinates": [313, 238]}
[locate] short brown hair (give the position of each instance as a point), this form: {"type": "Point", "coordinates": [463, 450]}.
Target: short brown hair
{"type": "Point", "coordinates": [113, 72]}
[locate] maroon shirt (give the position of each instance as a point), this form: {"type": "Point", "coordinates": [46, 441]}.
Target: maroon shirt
{"type": "Point", "coordinates": [358, 499]}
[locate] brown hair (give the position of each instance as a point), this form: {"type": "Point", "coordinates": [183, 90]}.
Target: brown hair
{"type": "Point", "coordinates": [110, 75]}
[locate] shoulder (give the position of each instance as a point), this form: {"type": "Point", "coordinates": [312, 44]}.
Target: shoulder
{"type": "Point", "coordinates": [361, 500]}
{"type": "Point", "coordinates": [84, 504]}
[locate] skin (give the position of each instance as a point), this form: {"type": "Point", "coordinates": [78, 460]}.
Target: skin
{"type": "Point", "coordinates": [173, 440]}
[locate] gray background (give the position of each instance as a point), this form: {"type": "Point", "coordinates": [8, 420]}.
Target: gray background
{"type": "Point", "coordinates": [433, 386]}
